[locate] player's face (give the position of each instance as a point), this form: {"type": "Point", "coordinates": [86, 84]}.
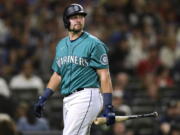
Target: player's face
{"type": "Point", "coordinates": [77, 23]}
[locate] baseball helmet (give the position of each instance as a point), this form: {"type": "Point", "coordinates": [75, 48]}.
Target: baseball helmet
{"type": "Point", "coordinates": [71, 10]}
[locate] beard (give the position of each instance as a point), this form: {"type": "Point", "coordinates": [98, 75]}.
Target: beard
{"type": "Point", "coordinates": [76, 30]}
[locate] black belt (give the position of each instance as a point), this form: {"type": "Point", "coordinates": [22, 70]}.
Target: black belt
{"type": "Point", "coordinates": [79, 89]}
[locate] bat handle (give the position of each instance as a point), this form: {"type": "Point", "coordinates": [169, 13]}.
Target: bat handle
{"type": "Point", "coordinates": [103, 120]}
{"type": "Point", "coordinates": [100, 120]}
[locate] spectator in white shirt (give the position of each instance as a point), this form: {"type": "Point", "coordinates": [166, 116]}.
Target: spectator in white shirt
{"type": "Point", "coordinates": [4, 90]}
{"type": "Point", "coordinates": [170, 52]}
{"type": "Point", "coordinates": [26, 79]}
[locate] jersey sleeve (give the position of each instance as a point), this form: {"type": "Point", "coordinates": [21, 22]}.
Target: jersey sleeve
{"type": "Point", "coordinates": [55, 66]}
{"type": "Point", "coordinates": [99, 57]}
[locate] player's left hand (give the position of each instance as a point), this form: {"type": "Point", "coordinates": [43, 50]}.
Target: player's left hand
{"type": "Point", "coordinates": [109, 114]}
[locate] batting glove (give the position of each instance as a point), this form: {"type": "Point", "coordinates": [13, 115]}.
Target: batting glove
{"type": "Point", "coordinates": [39, 106]}
{"type": "Point", "coordinates": [109, 114]}
{"type": "Point", "coordinates": [108, 108]}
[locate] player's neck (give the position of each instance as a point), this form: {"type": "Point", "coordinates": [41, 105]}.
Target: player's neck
{"type": "Point", "coordinates": [74, 36]}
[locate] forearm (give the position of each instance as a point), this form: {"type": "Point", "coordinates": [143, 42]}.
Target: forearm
{"type": "Point", "coordinates": [105, 81]}
{"type": "Point", "coordinates": [106, 85]}
{"type": "Point", "coordinates": [106, 88]}
{"type": "Point", "coordinates": [54, 82]}
{"type": "Point", "coordinates": [51, 87]}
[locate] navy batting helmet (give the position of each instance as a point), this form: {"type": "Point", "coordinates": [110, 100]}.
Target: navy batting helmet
{"type": "Point", "coordinates": [71, 10]}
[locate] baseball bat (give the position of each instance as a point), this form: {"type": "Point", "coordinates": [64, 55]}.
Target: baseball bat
{"type": "Point", "coordinates": [102, 120]}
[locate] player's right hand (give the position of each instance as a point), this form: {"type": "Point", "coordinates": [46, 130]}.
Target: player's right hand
{"type": "Point", "coordinates": [38, 108]}
{"type": "Point", "coordinates": [109, 114]}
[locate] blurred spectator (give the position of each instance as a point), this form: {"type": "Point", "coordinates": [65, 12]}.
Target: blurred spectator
{"type": "Point", "coordinates": [4, 90]}
{"type": "Point", "coordinates": [137, 49]}
{"type": "Point", "coordinates": [175, 129]}
{"type": "Point", "coordinates": [21, 110]}
{"type": "Point", "coordinates": [163, 77]}
{"type": "Point", "coordinates": [30, 123]}
{"type": "Point", "coordinates": [118, 56]}
{"type": "Point", "coordinates": [120, 83]}
{"type": "Point", "coordinates": [170, 52]}
{"type": "Point", "coordinates": [43, 58]}
{"type": "Point", "coordinates": [171, 32]}
{"type": "Point", "coordinates": [7, 104]}
{"type": "Point", "coordinates": [165, 129]}
{"type": "Point", "coordinates": [26, 79]}
{"type": "Point", "coordinates": [176, 71]}
{"type": "Point", "coordinates": [170, 118]}
{"type": "Point", "coordinates": [153, 93]}
{"type": "Point", "coordinates": [150, 99]}
{"type": "Point", "coordinates": [12, 47]}
{"type": "Point", "coordinates": [7, 125]}
{"type": "Point", "coordinates": [150, 63]}
{"type": "Point", "coordinates": [178, 35]}
{"type": "Point", "coordinates": [3, 31]}
{"type": "Point", "coordinates": [149, 79]}
{"type": "Point", "coordinates": [120, 129]}
{"type": "Point", "coordinates": [118, 104]}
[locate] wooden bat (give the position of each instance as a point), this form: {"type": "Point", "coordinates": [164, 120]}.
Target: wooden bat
{"type": "Point", "coordinates": [102, 120]}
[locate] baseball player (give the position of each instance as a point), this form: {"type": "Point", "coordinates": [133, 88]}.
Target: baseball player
{"type": "Point", "coordinates": [81, 69]}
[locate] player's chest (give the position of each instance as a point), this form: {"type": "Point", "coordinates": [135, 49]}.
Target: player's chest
{"type": "Point", "coordinates": [77, 50]}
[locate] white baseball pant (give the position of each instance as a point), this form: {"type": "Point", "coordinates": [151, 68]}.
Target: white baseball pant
{"type": "Point", "coordinates": [80, 109]}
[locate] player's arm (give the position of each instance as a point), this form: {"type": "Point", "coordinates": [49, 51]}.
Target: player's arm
{"type": "Point", "coordinates": [54, 81]}
{"type": "Point", "coordinates": [49, 90]}
{"type": "Point", "coordinates": [106, 88]}
{"type": "Point", "coordinates": [105, 80]}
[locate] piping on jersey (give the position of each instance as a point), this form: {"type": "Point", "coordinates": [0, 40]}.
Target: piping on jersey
{"type": "Point", "coordinates": [71, 52]}
{"type": "Point", "coordinates": [69, 71]}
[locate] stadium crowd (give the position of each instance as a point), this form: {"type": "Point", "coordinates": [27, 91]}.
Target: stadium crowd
{"type": "Point", "coordinates": [143, 37]}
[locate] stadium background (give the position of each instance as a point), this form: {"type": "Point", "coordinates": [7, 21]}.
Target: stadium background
{"type": "Point", "coordinates": [144, 41]}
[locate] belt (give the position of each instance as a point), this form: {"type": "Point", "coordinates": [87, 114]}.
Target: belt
{"type": "Point", "coordinates": [79, 89]}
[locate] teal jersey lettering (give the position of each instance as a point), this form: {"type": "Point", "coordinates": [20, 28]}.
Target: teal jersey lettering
{"type": "Point", "coordinates": [77, 62]}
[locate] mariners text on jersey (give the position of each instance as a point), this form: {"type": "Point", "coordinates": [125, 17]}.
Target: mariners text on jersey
{"type": "Point", "coordinates": [72, 59]}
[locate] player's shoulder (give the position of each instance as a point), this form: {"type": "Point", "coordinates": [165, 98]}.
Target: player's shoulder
{"type": "Point", "coordinates": [95, 40]}
{"type": "Point", "coordinates": [61, 42]}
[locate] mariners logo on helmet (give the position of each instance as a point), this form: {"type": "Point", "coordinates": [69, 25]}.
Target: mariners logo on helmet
{"type": "Point", "coordinates": [71, 10]}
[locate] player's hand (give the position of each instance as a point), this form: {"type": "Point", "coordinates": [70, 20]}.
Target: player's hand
{"type": "Point", "coordinates": [109, 114]}
{"type": "Point", "coordinates": [38, 108]}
